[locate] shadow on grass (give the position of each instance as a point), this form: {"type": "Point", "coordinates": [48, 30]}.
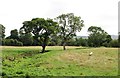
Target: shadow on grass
{"type": "Point", "coordinates": [83, 48]}
{"type": "Point", "coordinates": [46, 51]}
{"type": "Point", "coordinates": [29, 54]}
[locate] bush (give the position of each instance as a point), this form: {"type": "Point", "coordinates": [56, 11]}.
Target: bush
{"type": "Point", "coordinates": [114, 43]}
{"type": "Point", "coordinates": [11, 42]}
{"type": "Point", "coordinates": [81, 42]}
{"type": "Point", "coordinates": [105, 44]}
{"type": "Point", "coordinates": [26, 39]}
{"type": "Point", "coordinates": [71, 42]}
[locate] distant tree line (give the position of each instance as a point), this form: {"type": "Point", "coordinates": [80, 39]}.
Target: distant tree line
{"type": "Point", "coordinates": [58, 32]}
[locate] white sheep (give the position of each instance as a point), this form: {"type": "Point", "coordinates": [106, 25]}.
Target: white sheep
{"type": "Point", "coordinates": [91, 53]}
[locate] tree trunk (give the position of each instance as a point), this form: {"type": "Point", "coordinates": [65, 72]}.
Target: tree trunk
{"type": "Point", "coordinates": [64, 46]}
{"type": "Point", "coordinates": [43, 48]}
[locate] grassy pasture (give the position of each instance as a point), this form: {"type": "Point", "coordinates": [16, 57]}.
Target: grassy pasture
{"type": "Point", "coordinates": [75, 61]}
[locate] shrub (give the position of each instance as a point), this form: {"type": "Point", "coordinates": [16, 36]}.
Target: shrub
{"type": "Point", "coordinates": [106, 44]}
{"type": "Point", "coordinates": [12, 42]}
{"type": "Point", "coordinates": [81, 42]}
{"type": "Point", "coordinates": [114, 43]}
{"type": "Point", "coordinates": [26, 39]}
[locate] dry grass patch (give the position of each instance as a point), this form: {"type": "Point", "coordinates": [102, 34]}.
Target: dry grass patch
{"type": "Point", "coordinates": [101, 58]}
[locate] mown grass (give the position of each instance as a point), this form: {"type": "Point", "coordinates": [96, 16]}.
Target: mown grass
{"type": "Point", "coordinates": [75, 61]}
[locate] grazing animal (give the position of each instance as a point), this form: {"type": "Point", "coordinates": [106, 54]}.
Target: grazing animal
{"type": "Point", "coordinates": [91, 53]}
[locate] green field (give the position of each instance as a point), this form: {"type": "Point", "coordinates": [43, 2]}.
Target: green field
{"type": "Point", "coordinates": [75, 61]}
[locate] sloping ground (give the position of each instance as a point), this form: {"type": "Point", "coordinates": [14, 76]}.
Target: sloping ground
{"type": "Point", "coordinates": [75, 61]}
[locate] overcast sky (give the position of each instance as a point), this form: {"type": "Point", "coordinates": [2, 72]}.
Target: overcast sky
{"type": "Point", "coordinates": [102, 13]}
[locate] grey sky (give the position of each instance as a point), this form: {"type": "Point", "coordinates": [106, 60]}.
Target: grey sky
{"type": "Point", "coordinates": [103, 13]}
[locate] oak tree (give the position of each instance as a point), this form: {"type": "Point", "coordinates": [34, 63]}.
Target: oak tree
{"type": "Point", "coordinates": [41, 29]}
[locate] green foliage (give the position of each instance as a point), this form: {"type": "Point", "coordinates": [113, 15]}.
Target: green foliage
{"type": "Point", "coordinates": [55, 40]}
{"type": "Point", "coordinates": [95, 40]}
{"type": "Point", "coordinates": [43, 32]}
{"type": "Point", "coordinates": [14, 34]}
{"type": "Point", "coordinates": [41, 28]}
{"type": "Point", "coordinates": [71, 42]}
{"type": "Point", "coordinates": [77, 42]}
{"type": "Point", "coordinates": [81, 42]}
{"type": "Point", "coordinates": [12, 42]}
{"type": "Point", "coordinates": [107, 41]}
{"type": "Point", "coordinates": [36, 42]}
{"type": "Point", "coordinates": [26, 38]}
{"type": "Point", "coordinates": [68, 25]}
{"type": "Point", "coordinates": [98, 37]}
{"type": "Point", "coordinates": [114, 43]}
{"type": "Point", "coordinates": [2, 31]}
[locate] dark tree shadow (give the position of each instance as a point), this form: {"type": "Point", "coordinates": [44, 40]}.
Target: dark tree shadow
{"type": "Point", "coordinates": [46, 51]}
{"type": "Point", "coordinates": [83, 48]}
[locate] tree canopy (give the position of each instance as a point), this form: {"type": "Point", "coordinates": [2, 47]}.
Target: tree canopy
{"type": "Point", "coordinates": [41, 29]}
{"type": "Point", "coordinates": [98, 36]}
{"type": "Point", "coordinates": [26, 38]}
{"type": "Point", "coordinates": [58, 32]}
{"type": "Point", "coordinates": [2, 31]}
{"type": "Point", "coordinates": [14, 34]}
{"type": "Point", "coordinates": [69, 24]}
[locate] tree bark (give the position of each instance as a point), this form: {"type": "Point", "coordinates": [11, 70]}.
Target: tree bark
{"type": "Point", "coordinates": [44, 43]}
{"type": "Point", "coordinates": [64, 46]}
{"type": "Point", "coordinates": [43, 48]}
